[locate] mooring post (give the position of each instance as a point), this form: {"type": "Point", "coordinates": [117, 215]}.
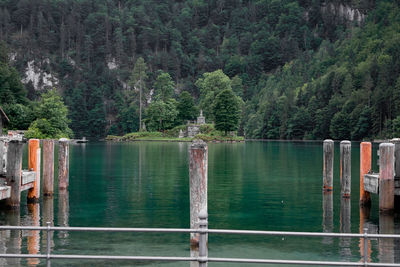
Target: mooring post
{"type": "Point", "coordinates": [386, 177]}
{"type": "Point", "coordinates": [34, 164]}
{"type": "Point", "coordinates": [2, 152]}
{"type": "Point", "coordinates": [365, 167]}
{"type": "Point", "coordinates": [198, 168]}
{"type": "Point", "coordinates": [345, 169]}
{"type": "Point", "coordinates": [203, 225]}
{"type": "Point", "coordinates": [328, 148]}
{"type": "Point", "coordinates": [48, 167]}
{"type": "Point", "coordinates": [63, 164]}
{"type": "Point", "coordinates": [14, 172]}
{"type": "Point", "coordinates": [396, 142]}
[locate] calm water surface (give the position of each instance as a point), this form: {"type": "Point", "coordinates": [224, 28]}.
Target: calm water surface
{"type": "Point", "coordinates": [252, 185]}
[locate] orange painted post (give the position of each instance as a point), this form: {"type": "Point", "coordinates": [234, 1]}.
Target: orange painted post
{"type": "Point", "coordinates": [34, 164]}
{"type": "Point", "coordinates": [328, 148]}
{"type": "Point", "coordinates": [48, 167]}
{"type": "Point", "coordinates": [63, 164]}
{"type": "Point", "coordinates": [345, 169]}
{"type": "Point", "coordinates": [365, 167]}
{"type": "Point", "coordinates": [386, 177]}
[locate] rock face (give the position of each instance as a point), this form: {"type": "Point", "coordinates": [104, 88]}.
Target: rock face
{"type": "Point", "coordinates": [341, 13]}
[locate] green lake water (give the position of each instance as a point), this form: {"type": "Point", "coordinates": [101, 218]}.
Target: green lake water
{"type": "Point", "coordinates": [253, 185]}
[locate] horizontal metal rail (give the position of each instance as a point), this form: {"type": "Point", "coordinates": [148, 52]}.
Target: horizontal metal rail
{"type": "Point", "coordinates": [185, 230]}
{"type": "Point", "coordinates": [201, 259]}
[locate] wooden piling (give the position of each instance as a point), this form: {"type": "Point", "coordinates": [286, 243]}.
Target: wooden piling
{"type": "Point", "coordinates": [2, 162]}
{"type": "Point", "coordinates": [14, 171]}
{"type": "Point", "coordinates": [386, 177]}
{"type": "Point", "coordinates": [34, 164]}
{"type": "Point", "coordinates": [48, 167]}
{"type": "Point", "coordinates": [365, 167]}
{"type": "Point", "coordinates": [345, 169]}
{"type": "Point", "coordinates": [328, 148]}
{"type": "Point", "coordinates": [63, 164]}
{"type": "Point", "coordinates": [198, 168]}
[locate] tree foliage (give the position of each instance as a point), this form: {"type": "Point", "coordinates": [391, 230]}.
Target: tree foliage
{"type": "Point", "coordinates": [226, 111]}
{"type": "Point", "coordinates": [52, 121]}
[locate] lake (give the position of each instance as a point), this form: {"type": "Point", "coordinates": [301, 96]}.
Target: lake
{"type": "Point", "coordinates": [252, 185]}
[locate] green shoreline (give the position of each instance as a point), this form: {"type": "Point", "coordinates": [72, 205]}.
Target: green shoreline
{"type": "Point", "coordinates": [206, 138]}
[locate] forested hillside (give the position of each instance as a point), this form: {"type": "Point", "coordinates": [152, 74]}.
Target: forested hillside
{"type": "Point", "coordinates": [305, 69]}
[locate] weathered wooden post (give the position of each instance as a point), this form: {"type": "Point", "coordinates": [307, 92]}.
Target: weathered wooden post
{"type": "Point", "coordinates": [396, 142]}
{"type": "Point", "coordinates": [386, 177]}
{"type": "Point", "coordinates": [48, 167]}
{"type": "Point", "coordinates": [198, 168]}
{"type": "Point", "coordinates": [63, 164]}
{"type": "Point", "coordinates": [345, 169]}
{"type": "Point", "coordinates": [328, 148]}
{"type": "Point", "coordinates": [34, 164]}
{"type": "Point", "coordinates": [14, 172]}
{"type": "Point", "coordinates": [2, 152]}
{"type": "Point", "coordinates": [365, 167]}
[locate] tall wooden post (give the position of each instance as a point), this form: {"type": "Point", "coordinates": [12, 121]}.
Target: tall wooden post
{"type": "Point", "coordinates": [365, 167]}
{"type": "Point", "coordinates": [345, 169]}
{"type": "Point", "coordinates": [328, 165]}
{"type": "Point", "coordinates": [48, 167]}
{"type": "Point", "coordinates": [2, 152]}
{"type": "Point", "coordinates": [396, 142]}
{"type": "Point", "coordinates": [63, 164]}
{"type": "Point", "coordinates": [386, 177]}
{"type": "Point", "coordinates": [34, 164]}
{"type": "Point", "coordinates": [198, 168]}
{"type": "Point", "coordinates": [14, 172]}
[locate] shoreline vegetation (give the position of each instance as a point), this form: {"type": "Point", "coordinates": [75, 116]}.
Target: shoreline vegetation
{"type": "Point", "coordinates": [207, 134]}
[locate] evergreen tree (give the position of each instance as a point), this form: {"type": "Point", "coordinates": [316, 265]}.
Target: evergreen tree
{"type": "Point", "coordinates": [137, 80]}
{"type": "Point", "coordinates": [226, 111]}
{"type": "Point", "coordinates": [164, 86]}
{"type": "Point", "coordinates": [186, 108]}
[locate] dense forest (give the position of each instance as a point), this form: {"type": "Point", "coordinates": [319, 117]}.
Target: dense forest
{"type": "Point", "coordinates": [306, 69]}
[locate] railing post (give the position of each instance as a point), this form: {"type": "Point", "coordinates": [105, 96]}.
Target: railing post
{"type": "Point", "coordinates": [34, 164]}
{"type": "Point", "coordinates": [365, 246]}
{"type": "Point", "coordinates": [48, 262]}
{"type": "Point", "coordinates": [345, 169]}
{"type": "Point", "coordinates": [203, 225]}
{"type": "Point", "coordinates": [365, 167]}
{"type": "Point", "coordinates": [328, 148]}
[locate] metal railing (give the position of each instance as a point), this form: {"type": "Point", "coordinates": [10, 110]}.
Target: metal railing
{"type": "Point", "coordinates": [203, 258]}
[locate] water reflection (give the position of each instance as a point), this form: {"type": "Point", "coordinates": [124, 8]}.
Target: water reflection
{"type": "Point", "coordinates": [63, 215]}
{"type": "Point", "coordinates": [327, 216]}
{"type": "Point", "coordinates": [13, 239]}
{"type": "Point", "coordinates": [34, 235]}
{"type": "Point", "coordinates": [48, 216]}
{"type": "Point", "coordinates": [345, 227]}
{"type": "Point", "coordinates": [386, 245]}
